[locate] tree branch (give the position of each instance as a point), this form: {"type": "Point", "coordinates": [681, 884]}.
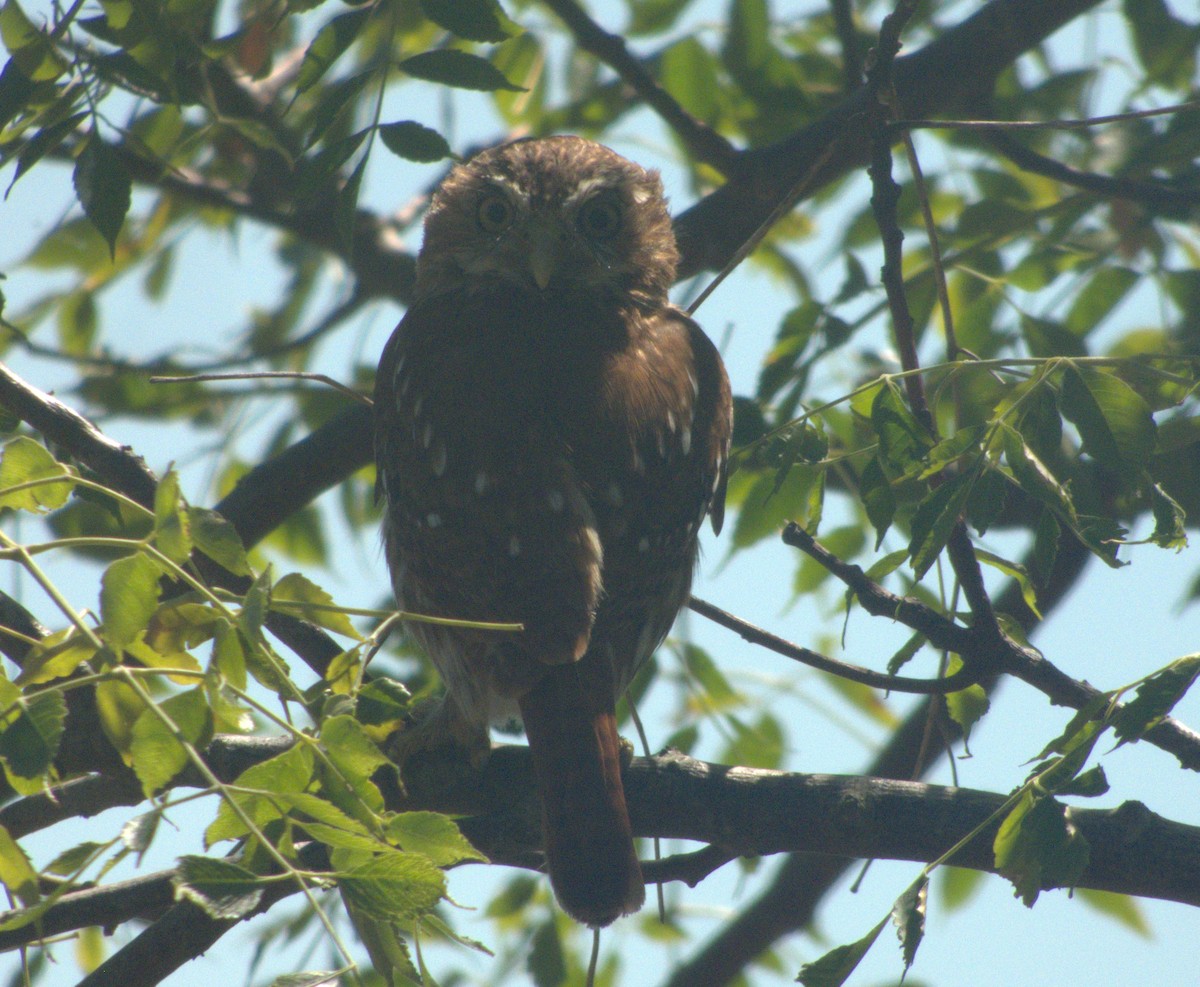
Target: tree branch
{"type": "Point", "coordinates": [704, 143]}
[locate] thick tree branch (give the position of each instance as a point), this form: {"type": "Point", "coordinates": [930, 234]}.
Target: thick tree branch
{"type": "Point", "coordinates": [704, 143]}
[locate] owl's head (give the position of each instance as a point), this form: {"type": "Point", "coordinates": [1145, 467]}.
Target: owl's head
{"type": "Point", "coordinates": [549, 215]}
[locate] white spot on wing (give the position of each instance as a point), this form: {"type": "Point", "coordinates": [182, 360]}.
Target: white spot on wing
{"type": "Point", "coordinates": [427, 435]}
{"type": "Point", "coordinates": [556, 501]}
{"type": "Point", "coordinates": [418, 403]}
{"type": "Point", "coordinates": [685, 440]}
{"type": "Point", "coordinates": [695, 384]}
{"type": "Point", "coordinates": [514, 546]}
{"type": "Point", "coordinates": [439, 459]}
{"type": "Point", "coordinates": [638, 465]}
{"type": "Point", "coordinates": [671, 420]}
{"type": "Point", "coordinates": [644, 545]}
{"type": "Point", "coordinates": [482, 482]}
{"type": "Point", "coordinates": [613, 494]}
{"type": "Point", "coordinates": [433, 520]}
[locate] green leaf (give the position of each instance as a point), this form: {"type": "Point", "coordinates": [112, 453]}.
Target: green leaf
{"type": "Point", "coordinates": [903, 443]}
{"type": "Point", "coordinates": [1099, 297]}
{"type": "Point", "coordinates": [129, 591]}
{"type": "Point", "coordinates": [474, 20]}
{"type": "Point", "coordinates": [688, 71]}
{"type": "Point", "coordinates": [755, 746]}
{"type": "Point", "coordinates": [1039, 847]}
{"type": "Point", "coordinates": [103, 187]}
{"type": "Point", "coordinates": [25, 460]}
{"type": "Point", "coordinates": [908, 916]}
{"type": "Point", "coordinates": [16, 873]}
{"type": "Point", "coordinates": [32, 51]}
{"type": "Point", "coordinates": [308, 978]}
{"type": "Point", "coordinates": [880, 502]}
{"type": "Point", "coordinates": [55, 657]}
{"type": "Point", "coordinates": [834, 968]}
{"type": "Point", "coordinates": [357, 758]}
{"type": "Point", "coordinates": [1125, 908]}
{"type": "Point", "coordinates": [172, 527]}
{"type": "Point", "coordinates": [30, 734]}
{"type": "Point", "coordinates": [285, 774]}
{"type": "Point", "coordinates": [432, 834]}
{"type": "Point", "coordinates": [138, 833]}
{"type": "Point", "coordinates": [1169, 517]}
{"type": "Point", "coordinates": [546, 963]}
{"type": "Point", "coordinates": [217, 538]}
{"type": "Point", "coordinates": [1034, 477]}
{"type": "Point", "coordinates": [72, 861]}
{"type": "Point", "coordinates": [394, 887]}
{"type": "Point", "coordinates": [158, 756]}
{"type": "Point", "coordinates": [1114, 421]}
{"type": "Point", "coordinates": [967, 706]}
{"type": "Point", "coordinates": [935, 519]}
{"type": "Point", "coordinates": [328, 46]}
{"type": "Point", "coordinates": [1016, 572]}
{"type": "Point", "coordinates": [382, 701]}
{"type": "Point", "coordinates": [223, 889]}
{"type": "Point", "coordinates": [312, 600]}
{"type": "Point", "coordinates": [413, 141]}
{"type": "Point", "coordinates": [1155, 698]}
{"type": "Point", "coordinates": [457, 68]}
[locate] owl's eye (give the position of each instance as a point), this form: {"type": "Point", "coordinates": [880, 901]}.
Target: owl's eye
{"type": "Point", "coordinates": [495, 213]}
{"type": "Point", "coordinates": [600, 218]}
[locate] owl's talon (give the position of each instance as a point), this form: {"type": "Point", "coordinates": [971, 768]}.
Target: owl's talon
{"type": "Point", "coordinates": [628, 753]}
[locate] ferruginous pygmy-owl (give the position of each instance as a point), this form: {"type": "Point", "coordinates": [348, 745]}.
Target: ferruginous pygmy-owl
{"type": "Point", "coordinates": [550, 433]}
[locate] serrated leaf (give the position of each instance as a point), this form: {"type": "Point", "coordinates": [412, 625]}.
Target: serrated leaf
{"type": "Point", "coordinates": [223, 889]}
{"type": "Point", "coordinates": [129, 591]}
{"type": "Point", "coordinates": [103, 186]}
{"type": "Point", "coordinates": [172, 528]}
{"type": "Point", "coordinates": [312, 603]}
{"type": "Point", "coordinates": [357, 758]}
{"type": "Point", "coordinates": [834, 968]}
{"type": "Point", "coordinates": [286, 773]}
{"type": "Point", "coordinates": [30, 734]}
{"type": "Point", "coordinates": [934, 521]}
{"type": "Point", "coordinates": [1155, 698]}
{"type": "Point", "coordinates": [55, 656]}
{"type": "Point", "coordinates": [25, 460]}
{"type": "Point", "coordinates": [1038, 846]}
{"type": "Point", "coordinates": [432, 834]}
{"type": "Point", "coordinates": [157, 754]}
{"type": "Point", "coordinates": [1114, 421]}
{"type": "Point", "coordinates": [415, 142]}
{"type": "Point", "coordinates": [459, 69]}
{"type": "Point", "coordinates": [328, 46]}
{"type": "Point", "coordinates": [908, 916]}
{"type": "Point", "coordinates": [474, 20]}
{"type": "Point", "coordinates": [138, 833]}
{"type": "Point", "coordinates": [217, 538]}
{"type": "Point", "coordinates": [394, 887]}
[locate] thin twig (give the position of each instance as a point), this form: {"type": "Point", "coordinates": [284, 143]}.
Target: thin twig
{"type": "Point", "coordinates": [268, 375]}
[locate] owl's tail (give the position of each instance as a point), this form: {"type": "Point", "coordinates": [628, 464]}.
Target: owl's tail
{"type": "Point", "coordinates": [572, 732]}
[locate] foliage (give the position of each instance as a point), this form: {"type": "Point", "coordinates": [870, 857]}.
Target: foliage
{"type": "Point", "coordinates": [1024, 406]}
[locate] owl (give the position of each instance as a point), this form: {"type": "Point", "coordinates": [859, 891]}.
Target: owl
{"type": "Point", "coordinates": [550, 434]}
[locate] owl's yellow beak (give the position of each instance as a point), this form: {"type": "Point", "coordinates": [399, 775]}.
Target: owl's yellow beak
{"type": "Point", "coordinates": [543, 258]}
